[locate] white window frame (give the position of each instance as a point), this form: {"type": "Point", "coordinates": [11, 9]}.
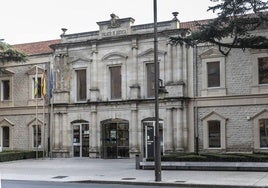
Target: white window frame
{"type": "Point", "coordinates": [256, 87]}
{"type": "Point", "coordinates": [213, 116]}
{"type": "Point", "coordinates": [261, 115]}
{"type": "Point", "coordinates": [2, 89]}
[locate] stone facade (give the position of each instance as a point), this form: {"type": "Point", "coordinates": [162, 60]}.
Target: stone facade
{"type": "Point", "coordinates": [238, 103]}
{"type": "Point", "coordinates": [130, 48]}
{"type": "Point", "coordinates": [102, 101]}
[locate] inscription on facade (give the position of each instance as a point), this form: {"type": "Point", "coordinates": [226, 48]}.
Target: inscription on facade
{"type": "Point", "coordinates": [114, 33]}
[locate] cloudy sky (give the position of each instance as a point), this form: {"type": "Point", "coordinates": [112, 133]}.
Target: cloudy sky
{"type": "Point", "coordinates": [24, 21]}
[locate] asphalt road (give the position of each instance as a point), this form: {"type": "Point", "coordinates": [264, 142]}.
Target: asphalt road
{"type": "Point", "coordinates": [43, 184]}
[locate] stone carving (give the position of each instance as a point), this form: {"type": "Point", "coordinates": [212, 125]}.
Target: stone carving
{"type": "Point", "coordinates": [114, 21]}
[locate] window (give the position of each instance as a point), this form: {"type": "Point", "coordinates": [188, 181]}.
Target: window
{"type": "Point", "coordinates": [116, 82]}
{"type": "Point", "coordinates": [5, 95]}
{"type": "Point", "coordinates": [37, 136]}
{"type": "Point", "coordinates": [5, 136]}
{"type": "Point", "coordinates": [263, 125]}
{"type": "Point", "coordinates": [213, 72]}
{"type": "Point", "coordinates": [81, 83]}
{"type": "Point", "coordinates": [37, 88]}
{"type": "Point", "coordinates": [150, 79]}
{"type": "Point", "coordinates": [214, 134]}
{"type": "Point", "coordinates": [263, 70]}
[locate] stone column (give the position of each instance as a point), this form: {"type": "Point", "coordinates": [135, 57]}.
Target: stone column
{"type": "Point", "coordinates": [93, 135]}
{"type": "Point", "coordinates": [169, 131]}
{"type": "Point", "coordinates": [177, 130]}
{"type": "Point", "coordinates": [133, 133]}
{"type": "Point", "coordinates": [169, 64]}
{"type": "Point", "coordinates": [56, 132]}
{"type": "Point", "coordinates": [94, 90]}
{"type": "Point", "coordinates": [185, 129]}
{"type": "Point", "coordinates": [133, 72]}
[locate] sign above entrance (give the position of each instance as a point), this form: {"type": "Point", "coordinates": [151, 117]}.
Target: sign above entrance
{"type": "Point", "coordinates": [115, 26]}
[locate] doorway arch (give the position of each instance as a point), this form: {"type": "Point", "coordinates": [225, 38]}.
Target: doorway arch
{"type": "Point", "coordinates": [115, 138]}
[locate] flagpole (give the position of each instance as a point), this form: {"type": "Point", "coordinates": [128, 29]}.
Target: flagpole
{"type": "Point", "coordinates": [44, 125]}
{"type": "Point", "coordinates": [36, 110]}
{"type": "Point", "coordinates": [51, 108]}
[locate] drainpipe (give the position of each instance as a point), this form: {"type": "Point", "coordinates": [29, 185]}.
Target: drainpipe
{"type": "Point", "coordinates": [196, 134]}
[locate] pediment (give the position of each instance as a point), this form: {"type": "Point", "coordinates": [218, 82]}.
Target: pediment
{"type": "Point", "coordinates": [32, 71]}
{"type": "Point", "coordinates": [211, 53]}
{"type": "Point", "coordinates": [6, 122]}
{"type": "Point", "coordinates": [33, 122]}
{"type": "Point", "coordinates": [213, 115]}
{"type": "Point", "coordinates": [81, 60]}
{"type": "Point", "coordinates": [114, 55]}
{"type": "Point", "coordinates": [265, 111]}
{"type": "Point", "coordinates": [150, 52]}
{"type": "Point", "coordinates": [5, 72]}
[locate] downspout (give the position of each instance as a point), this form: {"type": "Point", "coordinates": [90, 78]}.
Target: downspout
{"type": "Point", "coordinates": [196, 133]}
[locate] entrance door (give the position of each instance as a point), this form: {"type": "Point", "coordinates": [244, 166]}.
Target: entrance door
{"type": "Point", "coordinates": [149, 133]}
{"type": "Point", "coordinates": [115, 140]}
{"type": "Point", "coordinates": [80, 140]}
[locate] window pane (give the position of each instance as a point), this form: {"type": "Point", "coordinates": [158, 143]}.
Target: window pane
{"type": "Point", "coordinates": [6, 89]}
{"type": "Point", "coordinates": [263, 124]}
{"type": "Point", "coordinates": [81, 85]}
{"type": "Point", "coordinates": [5, 136]}
{"type": "Point", "coordinates": [115, 82]}
{"type": "Point", "coordinates": [37, 135]}
{"type": "Point", "coordinates": [263, 70]}
{"type": "Point", "coordinates": [150, 79]}
{"type": "Point", "coordinates": [214, 134]}
{"type": "Point", "coordinates": [37, 88]}
{"type": "Point", "coordinates": [213, 70]}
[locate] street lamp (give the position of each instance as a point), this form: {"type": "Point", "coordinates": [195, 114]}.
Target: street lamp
{"type": "Point", "coordinates": [157, 151]}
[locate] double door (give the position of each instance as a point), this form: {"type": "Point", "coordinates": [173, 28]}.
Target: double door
{"type": "Point", "coordinates": [115, 138]}
{"type": "Point", "coordinates": [80, 140]}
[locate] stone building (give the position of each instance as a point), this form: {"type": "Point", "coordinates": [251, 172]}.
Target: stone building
{"type": "Point", "coordinates": [102, 103]}
{"type": "Point", "coordinates": [19, 107]}
{"type": "Point", "coordinates": [103, 97]}
{"type": "Point", "coordinates": [232, 99]}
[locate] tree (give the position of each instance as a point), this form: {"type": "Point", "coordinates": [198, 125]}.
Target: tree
{"type": "Point", "coordinates": [233, 28]}
{"type": "Point", "coordinates": [8, 53]}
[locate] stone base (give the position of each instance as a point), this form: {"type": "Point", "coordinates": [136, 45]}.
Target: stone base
{"type": "Point", "coordinates": [60, 154]}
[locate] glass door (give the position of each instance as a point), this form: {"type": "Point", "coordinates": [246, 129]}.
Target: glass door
{"type": "Point", "coordinates": [81, 140]}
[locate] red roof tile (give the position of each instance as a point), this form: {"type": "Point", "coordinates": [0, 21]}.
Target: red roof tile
{"type": "Point", "coordinates": [36, 48]}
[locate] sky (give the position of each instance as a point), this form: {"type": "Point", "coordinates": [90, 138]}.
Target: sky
{"type": "Point", "coordinates": [24, 21]}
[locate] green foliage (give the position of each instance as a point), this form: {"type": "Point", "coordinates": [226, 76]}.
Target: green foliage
{"type": "Point", "coordinates": [8, 53]}
{"type": "Point", "coordinates": [237, 20]}
{"type": "Point", "coordinates": [215, 157]}
{"type": "Point", "coordinates": [18, 155]}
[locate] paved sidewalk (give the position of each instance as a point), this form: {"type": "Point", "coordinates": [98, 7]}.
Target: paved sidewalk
{"type": "Point", "coordinates": [123, 171]}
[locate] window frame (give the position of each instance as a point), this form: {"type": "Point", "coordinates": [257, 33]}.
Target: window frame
{"type": "Point", "coordinates": [2, 89]}
{"type": "Point", "coordinates": [77, 85]}
{"type": "Point", "coordinates": [150, 93]}
{"type": "Point", "coordinates": [112, 89]}
{"type": "Point", "coordinates": [213, 116]}
{"type": "Point", "coordinates": [256, 87]}
{"type": "Point", "coordinates": [39, 88]}
{"type": "Point", "coordinates": [213, 91]}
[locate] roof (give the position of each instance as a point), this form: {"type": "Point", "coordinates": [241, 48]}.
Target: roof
{"type": "Point", "coordinates": [36, 48]}
{"type": "Point", "coordinates": [43, 47]}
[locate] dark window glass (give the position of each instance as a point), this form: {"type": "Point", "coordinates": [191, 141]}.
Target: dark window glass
{"type": "Point", "coordinates": [213, 70]}
{"type": "Point", "coordinates": [37, 135]}
{"type": "Point", "coordinates": [263, 70]}
{"type": "Point", "coordinates": [263, 124]}
{"type": "Point", "coordinates": [115, 82]}
{"type": "Point", "coordinates": [5, 136]}
{"type": "Point", "coordinates": [214, 134]}
{"type": "Point", "coordinates": [81, 85]}
{"type": "Point", "coordinates": [37, 88]}
{"type": "Point", "coordinates": [150, 79]}
{"type": "Point", "coordinates": [6, 89]}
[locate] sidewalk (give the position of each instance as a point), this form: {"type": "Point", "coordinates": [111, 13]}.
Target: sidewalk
{"type": "Point", "coordinates": [123, 171]}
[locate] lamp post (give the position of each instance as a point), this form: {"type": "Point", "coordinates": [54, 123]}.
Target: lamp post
{"type": "Point", "coordinates": [157, 151]}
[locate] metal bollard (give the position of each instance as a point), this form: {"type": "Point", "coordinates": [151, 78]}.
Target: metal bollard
{"type": "Point", "coordinates": [138, 160]}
